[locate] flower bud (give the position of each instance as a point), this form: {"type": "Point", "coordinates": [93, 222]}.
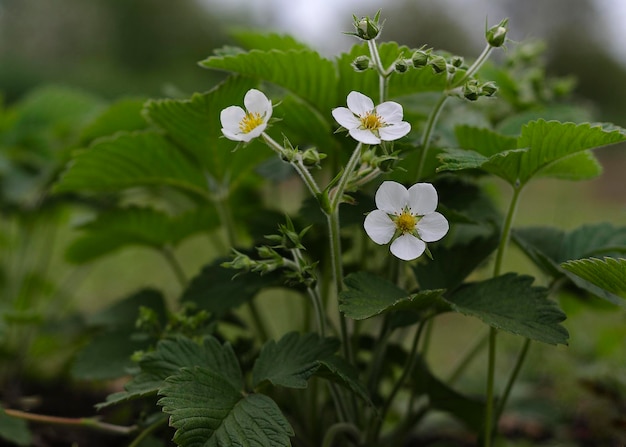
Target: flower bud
{"type": "Point", "coordinates": [471, 90]}
{"type": "Point", "coordinates": [361, 63]}
{"type": "Point", "coordinates": [366, 28]}
{"type": "Point", "coordinates": [488, 88]}
{"type": "Point", "coordinates": [311, 157]}
{"type": "Point", "coordinates": [456, 61]}
{"type": "Point", "coordinates": [420, 58]}
{"type": "Point", "coordinates": [438, 63]}
{"type": "Point", "coordinates": [496, 35]}
{"type": "Point", "coordinates": [401, 66]}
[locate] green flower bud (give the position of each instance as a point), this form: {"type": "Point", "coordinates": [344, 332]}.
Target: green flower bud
{"type": "Point", "coordinates": [311, 157]}
{"type": "Point", "coordinates": [366, 28]}
{"type": "Point", "coordinates": [456, 61]}
{"type": "Point", "coordinates": [438, 63]}
{"type": "Point", "coordinates": [361, 63]}
{"type": "Point", "coordinates": [401, 66]}
{"type": "Point", "coordinates": [496, 35]}
{"type": "Point", "coordinates": [488, 88]}
{"type": "Point", "coordinates": [471, 90]}
{"type": "Point", "coordinates": [420, 58]}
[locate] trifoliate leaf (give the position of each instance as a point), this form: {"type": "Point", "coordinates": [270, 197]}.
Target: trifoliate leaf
{"type": "Point", "coordinates": [208, 411]}
{"type": "Point", "coordinates": [170, 356]}
{"type": "Point", "coordinates": [483, 141]}
{"type": "Point", "coordinates": [608, 274]}
{"type": "Point", "coordinates": [292, 360]}
{"type": "Point", "coordinates": [510, 303]}
{"type": "Point", "coordinates": [123, 115]}
{"type": "Point", "coordinates": [367, 295]}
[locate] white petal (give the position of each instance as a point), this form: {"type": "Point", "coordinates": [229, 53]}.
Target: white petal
{"type": "Point", "coordinates": [364, 136]}
{"type": "Point", "coordinates": [359, 103]}
{"type": "Point", "coordinates": [258, 130]}
{"type": "Point", "coordinates": [407, 247]}
{"type": "Point", "coordinates": [379, 227]}
{"type": "Point", "coordinates": [395, 131]}
{"type": "Point", "coordinates": [346, 118]}
{"type": "Point", "coordinates": [422, 198]}
{"type": "Point", "coordinates": [238, 136]}
{"type": "Point", "coordinates": [391, 112]}
{"type": "Point", "coordinates": [230, 118]}
{"type": "Point", "coordinates": [432, 227]}
{"type": "Point", "coordinates": [391, 197]}
{"type": "Point", "coordinates": [256, 102]}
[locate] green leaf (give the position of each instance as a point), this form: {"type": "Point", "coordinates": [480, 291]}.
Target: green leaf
{"type": "Point", "coordinates": [170, 356]}
{"type": "Point", "coordinates": [194, 126]}
{"type": "Point", "coordinates": [483, 141]}
{"type": "Point", "coordinates": [548, 247]}
{"type": "Point", "coordinates": [608, 274]}
{"type": "Point", "coordinates": [292, 360]}
{"type": "Point", "coordinates": [338, 370]}
{"type": "Point", "coordinates": [208, 411]}
{"type": "Point", "coordinates": [123, 115]}
{"type": "Point", "coordinates": [137, 226]}
{"type": "Point", "coordinates": [544, 148]}
{"type": "Point", "coordinates": [218, 289]}
{"type": "Point", "coordinates": [129, 160]}
{"type": "Point", "coordinates": [452, 264]}
{"type": "Point", "coordinates": [367, 295]}
{"type": "Point", "coordinates": [510, 303]}
{"type": "Point", "coordinates": [303, 72]}
{"type": "Point", "coordinates": [14, 430]}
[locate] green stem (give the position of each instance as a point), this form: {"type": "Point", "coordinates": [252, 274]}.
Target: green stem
{"type": "Point", "coordinates": [345, 178]}
{"type": "Point", "coordinates": [84, 422]}
{"type": "Point", "coordinates": [497, 268]}
{"type": "Point", "coordinates": [383, 75]}
{"type": "Point", "coordinates": [426, 136]}
{"type": "Point", "coordinates": [320, 316]}
{"type": "Point", "coordinates": [406, 370]}
{"type": "Point", "coordinates": [516, 370]}
{"type": "Point", "coordinates": [338, 428]}
{"type": "Point", "coordinates": [471, 71]}
{"type": "Point", "coordinates": [489, 414]}
{"type": "Point", "coordinates": [467, 358]}
{"type": "Point", "coordinates": [148, 431]}
{"type": "Point", "coordinates": [226, 218]}
{"type": "Point", "coordinates": [297, 164]}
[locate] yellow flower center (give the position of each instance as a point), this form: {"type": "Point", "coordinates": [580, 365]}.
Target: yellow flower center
{"type": "Point", "coordinates": [405, 223]}
{"type": "Point", "coordinates": [371, 121]}
{"type": "Point", "coordinates": [250, 122]}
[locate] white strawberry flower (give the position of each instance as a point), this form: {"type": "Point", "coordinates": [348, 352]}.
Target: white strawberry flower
{"type": "Point", "coordinates": [369, 124]}
{"type": "Point", "coordinates": [408, 215]}
{"type": "Point", "coordinates": [244, 125]}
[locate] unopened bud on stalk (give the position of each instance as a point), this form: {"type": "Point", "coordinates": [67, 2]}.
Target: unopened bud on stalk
{"type": "Point", "coordinates": [366, 28]}
{"type": "Point", "coordinates": [420, 58]}
{"type": "Point", "coordinates": [471, 90]}
{"type": "Point", "coordinates": [361, 63]}
{"type": "Point", "coordinates": [401, 66]}
{"type": "Point", "coordinates": [496, 35]}
{"type": "Point", "coordinates": [311, 157]}
{"type": "Point", "coordinates": [438, 63]}
{"type": "Point", "coordinates": [456, 61]}
{"type": "Point", "coordinates": [488, 88]}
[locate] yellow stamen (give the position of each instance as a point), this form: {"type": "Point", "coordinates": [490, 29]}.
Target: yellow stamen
{"type": "Point", "coordinates": [251, 121]}
{"type": "Point", "coordinates": [406, 222]}
{"type": "Point", "coordinates": [371, 121]}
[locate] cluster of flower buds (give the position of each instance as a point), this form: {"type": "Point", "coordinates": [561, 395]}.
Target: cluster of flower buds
{"type": "Point", "coordinates": [382, 162]}
{"type": "Point", "coordinates": [273, 257]}
{"type": "Point", "coordinates": [310, 157]}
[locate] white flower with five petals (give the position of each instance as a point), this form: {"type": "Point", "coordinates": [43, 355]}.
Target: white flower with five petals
{"type": "Point", "coordinates": [407, 214]}
{"type": "Point", "coordinates": [369, 124]}
{"type": "Point", "coordinates": [244, 125]}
